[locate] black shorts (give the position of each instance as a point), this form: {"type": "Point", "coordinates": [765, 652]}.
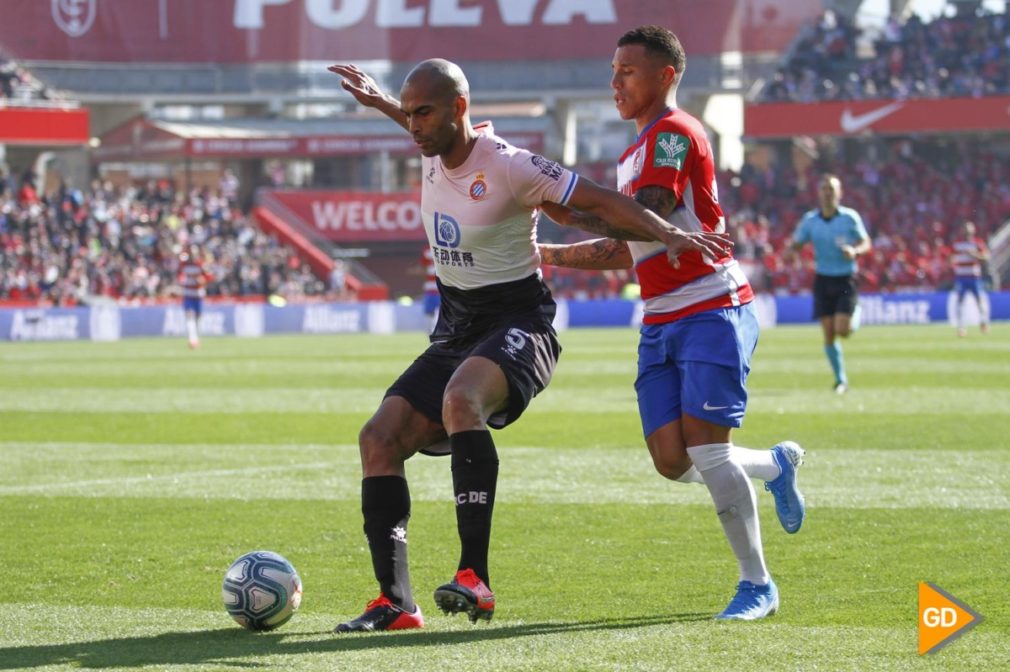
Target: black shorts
{"type": "Point", "coordinates": [526, 349]}
{"type": "Point", "coordinates": [834, 294]}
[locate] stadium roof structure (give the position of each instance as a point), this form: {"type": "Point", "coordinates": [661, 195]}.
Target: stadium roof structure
{"type": "Point", "coordinates": [142, 139]}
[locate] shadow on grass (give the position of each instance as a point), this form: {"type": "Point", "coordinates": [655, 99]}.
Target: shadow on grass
{"type": "Point", "coordinates": [244, 649]}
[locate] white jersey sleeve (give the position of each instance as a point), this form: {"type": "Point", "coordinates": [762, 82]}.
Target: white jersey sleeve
{"type": "Point", "coordinates": [535, 179]}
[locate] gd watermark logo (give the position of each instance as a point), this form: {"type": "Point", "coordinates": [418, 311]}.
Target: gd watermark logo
{"type": "Point", "coordinates": [942, 618]}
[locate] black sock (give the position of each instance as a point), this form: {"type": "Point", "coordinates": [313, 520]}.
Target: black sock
{"type": "Point", "coordinates": [385, 503]}
{"type": "Point", "coordinates": [474, 477]}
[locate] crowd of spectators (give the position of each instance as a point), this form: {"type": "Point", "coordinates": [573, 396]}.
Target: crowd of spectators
{"type": "Point", "coordinates": [913, 200]}
{"type": "Point", "coordinates": [913, 197]}
{"type": "Point", "coordinates": [124, 244]}
{"type": "Point", "coordinates": [967, 55]}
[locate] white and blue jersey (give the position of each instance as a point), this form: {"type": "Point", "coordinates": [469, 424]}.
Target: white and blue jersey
{"type": "Point", "coordinates": [828, 236]}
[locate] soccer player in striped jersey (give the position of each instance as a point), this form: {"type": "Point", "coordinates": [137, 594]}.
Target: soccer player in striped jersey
{"type": "Point", "coordinates": [969, 253]}
{"type": "Point", "coordinates": [431, 299]}
{"type": "Point", "coordinates": [699, 329]}
{"type": "Point", "coordinates": [493, 347]}
{"type": "Point", "coordinates": [193, 280]}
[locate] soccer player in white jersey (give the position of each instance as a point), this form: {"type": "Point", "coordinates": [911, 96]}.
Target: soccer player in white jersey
{"type": "Point", "coordinates": [969, 253]}
{"type": "Point", "coordinates": [699, 329]}
{"type": "Point", "coordinates": [493, 347]}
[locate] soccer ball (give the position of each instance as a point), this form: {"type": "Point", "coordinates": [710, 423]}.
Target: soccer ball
{"type": "Point", "coordinates": [261, 590]}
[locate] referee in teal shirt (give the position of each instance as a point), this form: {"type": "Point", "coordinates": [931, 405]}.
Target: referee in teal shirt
{"type": "Point", "coordinates": [839, 237]}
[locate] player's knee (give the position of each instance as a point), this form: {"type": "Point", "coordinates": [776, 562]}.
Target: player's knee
{"type": "Point", "coordinates": [461, 409]}
{"type": "Point", "coordinates": [671, 467]}
{"type": "Point", "coordinates": [379, 447]}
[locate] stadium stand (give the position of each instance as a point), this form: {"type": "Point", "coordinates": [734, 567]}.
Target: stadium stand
{"type": "Point", "coordinates": [912, 196]}
{"type": "Point", "coordinates": [108, 243]}
{"type": "Point", "coordinates": [964, 55]}
{"type": "Point", "coordinates": [912, 199]}
{"type": "Point", "coordinates": [912, 189]}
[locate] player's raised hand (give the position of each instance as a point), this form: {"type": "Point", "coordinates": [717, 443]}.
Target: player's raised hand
{"type": "Point", "coordinates": [367, 92]}
{"type": "Point", "coordinates": [358, 84]}
{"type": "Point", "coordinates": [710, 245]}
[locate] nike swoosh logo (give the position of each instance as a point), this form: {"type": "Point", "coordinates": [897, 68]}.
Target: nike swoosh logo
{"type": "Point", "coordinates": [853, 123]}
{"type": "Point", "coordinates": [706, 406]}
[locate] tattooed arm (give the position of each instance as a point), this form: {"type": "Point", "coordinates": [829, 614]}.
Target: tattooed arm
{"type": "Point", "coordinates": [659, 200]}
{"type": "Point", "coordinates": [600, 254]}
{"type": "Point", "coordinates": [620, 216]}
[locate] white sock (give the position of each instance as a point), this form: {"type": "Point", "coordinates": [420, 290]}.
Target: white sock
{"type": "Point", "coordinates": [758, 464]}
{"type": "Point", "coordinates": [692, 475]}
{"type": "Point", "coordinates": [736, 506]}
{"type": "Point", "coordinates": [191, 329]}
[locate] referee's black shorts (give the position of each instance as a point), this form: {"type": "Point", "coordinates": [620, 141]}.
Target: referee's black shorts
{"type": "Point", "coordinates": [525, 347]}
{"type": "Point", "coordinates": [834, 294]}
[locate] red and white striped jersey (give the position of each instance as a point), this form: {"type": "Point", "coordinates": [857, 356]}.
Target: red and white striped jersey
{"type": "Point", "coordinates": [428, 260]}
{"type": "Point", "coordinates": [673, 152]}
{"type": "Point", "coordinates": [193, 279]}
{"type": "Point", "coordinates": [965, 264]}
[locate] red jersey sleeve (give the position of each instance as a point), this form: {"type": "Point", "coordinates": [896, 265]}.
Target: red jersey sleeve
{"type": "Point", "coordinates": [670, 157]}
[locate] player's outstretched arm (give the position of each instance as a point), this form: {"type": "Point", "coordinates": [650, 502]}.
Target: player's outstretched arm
{"type": "Point", "coordinates": [566, 216]}
{"type": "Point", "coordinates": [367, 92]}
{"type": "Point", "coordinates": [601, 254]}
{"type": "Point", "coordinates": [630, 220]}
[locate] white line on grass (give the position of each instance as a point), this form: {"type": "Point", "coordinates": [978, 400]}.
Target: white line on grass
{"type": "Point", "coordinates": [850, 478]}
{"type": "Point", "coordinates": [174, 478]}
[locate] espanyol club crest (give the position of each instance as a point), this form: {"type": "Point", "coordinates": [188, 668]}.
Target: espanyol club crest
{"type": "Point", "coordinates": [478, 188]}
{"type": "Point", "coordinates": [74, 17]}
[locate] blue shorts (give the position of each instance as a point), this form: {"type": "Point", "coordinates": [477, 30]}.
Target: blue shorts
{"type": "Point", "coordinates": [192, 304]}
{"type": "Point", "coordinates": [964, 285]}
{"type": "Point", "coordinates": [431, 303]}
{"type": "Point", "coordinates": [697, 365]}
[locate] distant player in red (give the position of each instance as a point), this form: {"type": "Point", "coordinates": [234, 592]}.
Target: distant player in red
{"type": "Point", "coordinates": [431, 297]}
{"type": "Point", "coordinates": [193, 280]}
{"type": "Point", "coordinates": [970, 252]}
{"type": "Point", "coordinates": [699, 328]}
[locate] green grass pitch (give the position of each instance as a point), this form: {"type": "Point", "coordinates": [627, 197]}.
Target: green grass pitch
{"type": "Point", "coordinates": [133, 473]}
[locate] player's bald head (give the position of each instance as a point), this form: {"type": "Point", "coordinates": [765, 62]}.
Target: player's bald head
{"type": "Point", "coordinates": [439, 78]}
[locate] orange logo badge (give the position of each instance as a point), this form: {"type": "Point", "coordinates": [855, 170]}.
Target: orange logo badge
{"type": "Point", "coordinates": [942, 618]}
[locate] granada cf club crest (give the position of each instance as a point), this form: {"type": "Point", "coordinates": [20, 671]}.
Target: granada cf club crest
{"type": "Point", "coordinates": [478, 188]}
{"type": "Point", "coordinates": [74, 17]}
